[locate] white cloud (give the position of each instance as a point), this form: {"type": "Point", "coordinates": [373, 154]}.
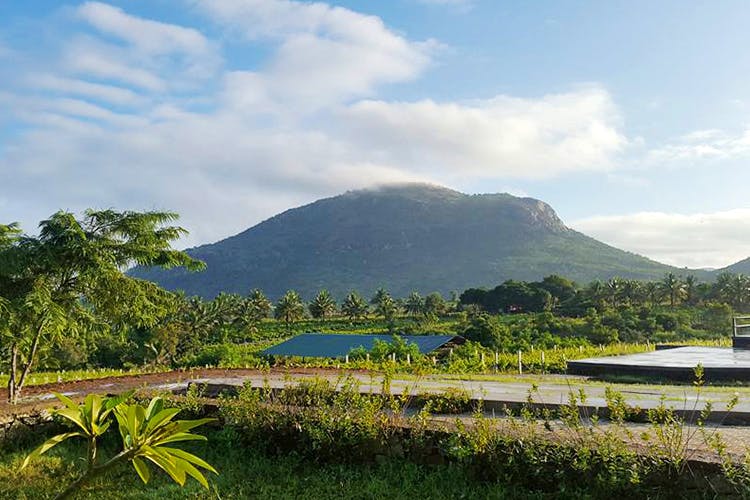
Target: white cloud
{"type": "Point", "coordinates": [685, 240]}
{"type": "Point", "coordinates": [324, 54]}
{"type": "Point", "coordinates": [229, 148]}
{"type": "Point", "coordinates": [154, 38]}
{"type": "Point", "coordinates": [702, 145]}
{"type": "Point", "coordinates": [108, 93]}
{"type": "Point", "coordinates": [98, 59]}
{"type": "Point", "coordinates": [499, 137]}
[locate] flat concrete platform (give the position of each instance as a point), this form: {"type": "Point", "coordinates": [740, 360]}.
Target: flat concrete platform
{"type": "Point", "coordinates": [719, 363]}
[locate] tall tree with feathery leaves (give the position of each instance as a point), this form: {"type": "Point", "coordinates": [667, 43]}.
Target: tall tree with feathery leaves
{"type": "Point", "coordinates": [71, 278]}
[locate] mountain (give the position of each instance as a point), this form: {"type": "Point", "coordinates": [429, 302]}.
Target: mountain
{"type": "Point", "coordinates": [403, 237]}
{"type": "Point", "coordinates": [741, 267]}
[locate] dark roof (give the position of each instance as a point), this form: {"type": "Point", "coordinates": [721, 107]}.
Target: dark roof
{"type": "Point", "coordinates": [333, 345]}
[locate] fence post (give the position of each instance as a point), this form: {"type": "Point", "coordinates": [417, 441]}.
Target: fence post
{"type": "Point", "coordinates": [520, 364]}
{"type": "Point", "coordinates": [346, 359]}
{"type": "Point", "coordinates": [543, 363]}
{"type": "Point", "coordinates": [408, 359]}
{"type": "Point", "coordinates": [368, 356]}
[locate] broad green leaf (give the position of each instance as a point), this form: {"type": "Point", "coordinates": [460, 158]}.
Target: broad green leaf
{"type": "Point", "coordinates": [66, 400]}
{"type": "Point", "coordinates": [75, 417]}
{"type": "Point", "coordinates": [161, 418]}
{"type": "Point", "coordinates": [165, 463]}
{"type": "Point", "coordinates": [156, 406]}
{"type": "Point", "coordinates": [142, 469]}
{"type": "Point", "coordinates": [192, 471]}
{"type": "Point", "coordinates": [184, 455]}
{"type": "Point", "coordinates": [114, 401]}
{"type": "Point", "coordinates": [50, 443]}
{"type": "Point", "coordinates": [179, 437]}
{"type": "Point", "coordinates": [186, 425]}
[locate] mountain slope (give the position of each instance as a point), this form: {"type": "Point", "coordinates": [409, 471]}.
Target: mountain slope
{"type": "Point", "coordinates": [404, 237]}
{"type": "Point", "coordinates": [741, 267]}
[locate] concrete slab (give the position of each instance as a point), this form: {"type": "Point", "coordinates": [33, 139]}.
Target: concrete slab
{"type": "Point", "coordinates": [719, 363]}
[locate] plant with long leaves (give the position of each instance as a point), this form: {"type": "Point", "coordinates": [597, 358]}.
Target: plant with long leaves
{"type": "Point", "coordinates": [146, 433]}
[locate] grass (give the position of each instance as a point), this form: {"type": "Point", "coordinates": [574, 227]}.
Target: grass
{"type": "Point", "coordinates": [41, 378]}
{"type": "Point", "coordinates": [247, 474]}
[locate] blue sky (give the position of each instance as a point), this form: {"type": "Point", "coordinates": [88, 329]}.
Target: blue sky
{"type": "Point", "coordinates": [630, 118]}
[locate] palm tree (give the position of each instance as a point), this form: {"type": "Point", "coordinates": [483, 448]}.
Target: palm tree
{"type": "Point", "coordinates": [258, 305]}
{"type": "Point", "coordinates": [289, 308]}
{"type": "Point", "coordinates": [614, 290]}
{"type": "Point", "coordinates": [388, 309]}
{"type": "Point", "coordinates": [691, 285]}
{"type": "Point", "coordinates": [414, 304]}
{"type": "Point", "coordinates": [632, 292]}
{"type": "Point", "coordinates": [380, 295]}
{"type": "Point", "coordinates": [354, 306]}
{"type": "Point", "coordinates": [736, 290]}
{"type": "Point", "coordinates": [673, 287]}
{"type": "Point", "coordinates": [653, 292]}
{"type": "Point", "coordinates": [323, 305]}
{"type": "Point", "coordinates": [596, 292]}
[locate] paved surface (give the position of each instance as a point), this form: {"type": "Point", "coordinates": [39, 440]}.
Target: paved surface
{"type": "Point", "coordinates": [547, 390]}
{"type": "Point", "coordinates": [550, 389]}
{"type": "Point", "coordinates": [719, 363]}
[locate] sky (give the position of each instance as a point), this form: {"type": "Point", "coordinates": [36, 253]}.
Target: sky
{"type": "Point", "coordinates": [630, 118]}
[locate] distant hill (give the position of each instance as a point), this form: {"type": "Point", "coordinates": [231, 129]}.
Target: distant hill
{"type": "Point", "coordinates": [741, 267]}
{"type": "Point", "coordinates": [403, 237]}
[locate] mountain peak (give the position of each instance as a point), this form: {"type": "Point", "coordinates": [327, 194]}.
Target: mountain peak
{"type": "Point", "coordinates": [409, 236]}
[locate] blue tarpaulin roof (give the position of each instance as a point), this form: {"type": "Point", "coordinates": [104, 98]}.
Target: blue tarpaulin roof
{"type": "Point", "coordinates": [334, 345]}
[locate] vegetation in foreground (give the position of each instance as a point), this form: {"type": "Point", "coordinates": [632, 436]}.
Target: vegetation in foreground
{"type": "Point", "coordinates": [312, 441]}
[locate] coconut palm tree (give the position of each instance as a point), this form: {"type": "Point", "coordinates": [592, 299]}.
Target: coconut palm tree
{"type": "Point", "coordinates": [354, 306]}
{"type": "Point", "coordinates": [414, 304]}
{"type": "Point", "coordinates": [673, 287]}
{"type": "Point", "coordinates": [323, 305]}
{"type": "Point", "coordinates": [289, 309]}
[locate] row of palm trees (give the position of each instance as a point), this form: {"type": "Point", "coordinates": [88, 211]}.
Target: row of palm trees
{"type": "Point", "coordinates": [290, 306]}
{"type": "Point", "coordinates": [733, 289]}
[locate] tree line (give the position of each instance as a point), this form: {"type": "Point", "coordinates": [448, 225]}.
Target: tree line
{"type": "Point", "coordinates": [65, 292]}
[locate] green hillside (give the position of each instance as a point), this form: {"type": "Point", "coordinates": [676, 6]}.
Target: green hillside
{"type": "Point", "coordinates": [403, 237]}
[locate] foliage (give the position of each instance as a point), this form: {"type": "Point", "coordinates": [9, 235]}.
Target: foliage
{"type": "Point", "coordinates": [145, 434]}
{"type": "Point", "coordinates": [323, 305]}
{"type": "Point", "coordinates": [289, 308]}
{"type": "Point", "coordinates": [69, 279]}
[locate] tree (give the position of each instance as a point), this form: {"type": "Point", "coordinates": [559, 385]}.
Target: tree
{"type": "Point", "coordinates": [613, 289]}
{"type": "Point", "coordinates": [734, 289]}
{"type": "Point", "coordinates": [562, 289]}
{"type": "Point", "coordinates": [653, 292]}
{"type": "Point", "coordinates": [387, 308]}
{"type": "Point", "coordinates": [691, 289]}
{"type": "Point", "coordinates": [70, 279]}
{"type": "Point", "coordinates": [354, 306]}
{"type": "Point", "coordinates": [414, 304]}
{"type": "Point", "coordinates": [673, 287]}
{"type": "Point", "coordinates": [146, 435]}
{"type": "Point", "coordinates": [289, 308]}
{"type": "Point", "coordinates": [323, 305]}
{"type": "Point", "coordinates": [434, 305]}
{"type": "Point", "coordinates": [483, 329]}
{"type": "Point", "coordinates": [632, 292]}
{"type": "Point", "coordinates": [259, 307]}
{"type": "Point", "coordinates": [380, 295]}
